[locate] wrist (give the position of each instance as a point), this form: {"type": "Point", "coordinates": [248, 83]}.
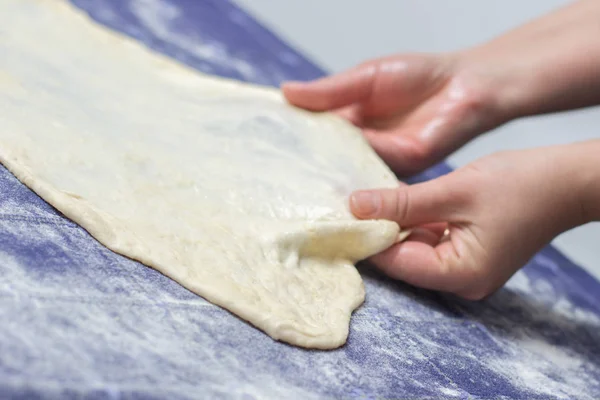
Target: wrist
{"type": "Point", "coordinates": [496, 81]}
{"type": "Point", "coordinates": [561, 186]}
{"type": "Point", "coordinates": [585, 161]}
{"type": "Point", "coordinates": [574, 184]}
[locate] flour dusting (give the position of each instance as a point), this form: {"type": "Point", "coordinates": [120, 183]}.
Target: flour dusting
{"type": "Point", "coordinates": [539, 355]}
{"type": "Point", "coordinates": [162, 18]}
{"type": "Point", "coordinates": [82, 322]}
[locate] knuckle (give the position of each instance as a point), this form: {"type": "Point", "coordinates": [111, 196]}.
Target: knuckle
{"type": "Point", "coordinates": [459, 197]}
{"type": "Point", "coordinates": [475, 177]}
{"type": "Point", "coordinates": [473, 92]}
{"type": "Point", "coordinates": [417, 151]}
{"type": "Point", "coordinates": [399, 204]}
{"type": "Point", "coordinates": [417, 154]}
{"type": "Point", "coordinates": [474, 103]}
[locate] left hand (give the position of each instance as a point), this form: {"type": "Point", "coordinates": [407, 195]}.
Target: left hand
{"type": "Point", "coordinates": [414, 109]}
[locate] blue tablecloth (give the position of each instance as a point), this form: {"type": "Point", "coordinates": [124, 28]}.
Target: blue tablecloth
{"type": "Point", "coordinates": [79, 321]}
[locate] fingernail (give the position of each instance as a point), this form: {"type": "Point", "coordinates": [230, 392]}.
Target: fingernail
{"type": "Point", "coordinates": [364, 203]}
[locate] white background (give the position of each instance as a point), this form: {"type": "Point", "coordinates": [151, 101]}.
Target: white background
{"type": "Point", "coordinates": [338, 34]}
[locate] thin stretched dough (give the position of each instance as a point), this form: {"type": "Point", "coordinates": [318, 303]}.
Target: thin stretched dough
{"type": "Point", "coordinates": [217, 184]}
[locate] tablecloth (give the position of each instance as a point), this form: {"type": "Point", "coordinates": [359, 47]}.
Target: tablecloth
{"type": "Point", "coordinates": [79, 321]}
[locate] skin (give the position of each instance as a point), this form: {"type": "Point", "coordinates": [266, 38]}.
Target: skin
{"type": "Point", "coordinates": [416, 109]}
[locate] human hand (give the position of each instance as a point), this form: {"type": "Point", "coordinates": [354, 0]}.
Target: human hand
{"type": "Point", "coordinates": [414, 109]}
{"type": "Point", "coordinates": [499, 210]}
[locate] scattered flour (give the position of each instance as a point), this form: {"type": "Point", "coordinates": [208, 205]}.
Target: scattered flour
{"type": "Point", "coordinates": [81, 320]}
{"type": "Point", "coordinates": [161, 17]}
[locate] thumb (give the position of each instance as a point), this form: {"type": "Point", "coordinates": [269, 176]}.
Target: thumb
{"type": "Point", "coordinates": [332, 92]}
{"type": "Point", "coordinates": [438, 200]}
{"type": "Point", "coordinates": [436, 267]}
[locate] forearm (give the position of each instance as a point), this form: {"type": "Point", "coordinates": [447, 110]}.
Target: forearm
{"type": "Point", "coordinates": [549, 65]}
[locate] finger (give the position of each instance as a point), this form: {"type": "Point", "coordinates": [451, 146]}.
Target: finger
{"type": "Point", "coordinates": [352, 114]}
{"type": "Point", "coordinates": [438, 200]}
{"type": "Point", "coordinates": [403, 154]}
{"type": "Point", "coordinates": [439, 229]}
{"type": "Point", "coordinates": [422, 137]}
{"type": "Point", "coordinates": [332, 92]}
{"type": "Point", "coordinates": [423, 265]}
{"type": "Point", "coordinates": [424, 236]}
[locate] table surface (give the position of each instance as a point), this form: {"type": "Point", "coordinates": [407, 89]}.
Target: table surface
{"type": "Point", "coordinates": [81, 321]}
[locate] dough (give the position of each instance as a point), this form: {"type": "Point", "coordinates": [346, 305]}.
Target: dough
{"type": "Point", "coordinates": [217, 184]}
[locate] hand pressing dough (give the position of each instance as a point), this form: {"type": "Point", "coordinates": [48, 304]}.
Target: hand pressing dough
{"type": "Point", "coordinates": [217, 184]}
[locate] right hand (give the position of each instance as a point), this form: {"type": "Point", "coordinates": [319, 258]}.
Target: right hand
{"type": "Point", "coordinates": [414, 109]}
{"type": "Point", "coordinates": [499, 210]}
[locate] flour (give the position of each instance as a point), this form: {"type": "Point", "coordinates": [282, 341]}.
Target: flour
{"type": "Point", "coordinates": [541, 360]}
{"type": "Point", "coordinates": [544, 369]}
{"type": "Point", "coordinates": [160, 17]}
